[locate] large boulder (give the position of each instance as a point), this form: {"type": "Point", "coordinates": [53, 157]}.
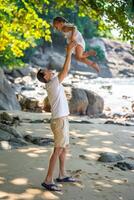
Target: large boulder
{"type": "Point", "coordinates": [8, 100]}
{"type": "Point", "coordinates": [29, 103]}
{"type": "Point", "coordinates": [78, 102]}
{"type": "Point", "coordinates": [81, 102]}
{"type": "Point", "coordinates": [95, 103]}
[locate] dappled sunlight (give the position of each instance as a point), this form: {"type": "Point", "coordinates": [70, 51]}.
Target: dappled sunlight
{"type": "Point", "coordinates": [41, 151]}
{"type": "Point", "coordinates": [33, 152]}
{"type": "Point", "coordinates": [14, 196]}
{"type": "Point", "coordinates": [101, 149]}
{"type": "Point", "coordinates": [79, 184]}
{"type": "Point", "coordinates": [19, 181]}
{"type": "Point", "coordinates": [82, 143]}
{"type": "Point", "coordinates": [29, 131]}
{"type": "Point", "coordinates": [23, 169]}
{"type": "Point", "coordinates": [131, 149]}
{"type": "Point", "coordinates": [5, 145]}
{"type": "Point", "coordinates": [50, 195]}
{"type": "Point", "coordinates": [2, 180]}
{"type": "Point", "coordinates": [127, 148]}
{"type": "Point", "coordinates": [40, 168]}
{"type": "Point", "coordinates": [32, 149]}
{"type": "Point", "coordinates": [118, 181]}
{"type": "Point", "coordinates": [101, 183]}
{"type": "Point", "coordinates": [107, 142]}
{"type": "Point", "coordinates": [93, 156]}
{"type": "Point", "coordinates": [33, 191]}
{"type": "Point", "coordinates": [3, 195]}
{"type": "Point", "coordinates": [128, 131]}
{"type": "Point", "coordinates": [33, 155]}
{"type": "Point", "coordinates": [3, 165]}
{"type": "Point", "coordinates": [76, 134]}
{"type": "Point", "coordinates": [100, 132]}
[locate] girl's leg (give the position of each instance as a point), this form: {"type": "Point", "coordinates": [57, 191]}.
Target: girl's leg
{"type": "Point", "coordinates": [79, 52]}
{"type": "Point", "coordinates": [85, 60]}
{"type": "Point", "coordinates": [89, 53]}
{"type": "Point", "coordinates": [91, 64]}
{"type": "Point", "coordinates": [79, 57]}
{"type": "Point", "coordinates": [52, 162]}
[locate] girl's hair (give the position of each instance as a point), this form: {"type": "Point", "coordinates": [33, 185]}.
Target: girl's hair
{"type": "Point", "coordinates": [60, 19]}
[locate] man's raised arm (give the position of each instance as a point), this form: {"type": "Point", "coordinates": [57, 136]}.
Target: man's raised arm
{"type": "Point", "coordinates": [67, 62]}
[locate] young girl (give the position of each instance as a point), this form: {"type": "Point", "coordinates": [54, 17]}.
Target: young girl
{"type": "Point", "coordinates": [72, 34]}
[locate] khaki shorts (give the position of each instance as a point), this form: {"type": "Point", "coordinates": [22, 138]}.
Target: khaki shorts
{"type": "Point", "coordinates": [60, 129]}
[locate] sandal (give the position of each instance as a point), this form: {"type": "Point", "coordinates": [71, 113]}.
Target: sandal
{"type": "Point", "coordinates": [67, 179]}
{"type": "Point", "coordinates": [51, 187]}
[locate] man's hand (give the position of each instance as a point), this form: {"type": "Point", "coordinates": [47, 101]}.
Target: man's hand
{"type": "Point", "coordinates": [66, 65]}
{"type": "Point", "coordinates": [70, 46]}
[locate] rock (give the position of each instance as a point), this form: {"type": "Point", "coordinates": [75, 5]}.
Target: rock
{"type": "Point", "coordinates": [119, 123]}
{"type": "Point", "coordinates": [15, 73]}
{"type": "Point", "coordinates": [56, 61]}
{"type": "Point", "coordinates": [110, 157]}
{"type": "Point", "coordinates": [8, 100]}
{"type": "Point", "coordinates": [5, 118]}
{"type": "Point", "coordinates": [10, 130]}
{"type": "Point", "coordinates": [39, 59]}
{"type": "Point", "coordinates": [95, 103]}
{"type": "Point", "coordinates": [28, 88]}
{"type": "Point", "coordinates": [29, 103]}
{"type": "Point", "coordinates": [125, 166]}
{"type": "Point", "coordinates": [4, 145]}
{"type": "Point", "coordinates": [46, 106]}
{"type": "Point", "coordinates": [10, 138]}
{"type": "Point", "coordinates": [38, 140]}
{"type": "Point", "coordinates": [78, 102]}
{"type": "Point", "coordinates": [81, 102]}
{"type": "Point", "coordinates": [95, 42]}
{"type": "Point", "coordinates": [119, 58]}
{"type": "Point", "coordinates": [132, 106]}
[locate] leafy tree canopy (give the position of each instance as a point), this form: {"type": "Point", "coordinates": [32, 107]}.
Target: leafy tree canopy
{"type": "Point", "coordinates": [23, 22]}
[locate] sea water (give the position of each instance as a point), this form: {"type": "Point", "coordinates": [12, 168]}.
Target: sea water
{"type": "Point", "coordinates": [118, 93]}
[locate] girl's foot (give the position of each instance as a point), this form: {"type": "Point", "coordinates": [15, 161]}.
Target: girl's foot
{"type": "Point", "coordinates": [95, 66]}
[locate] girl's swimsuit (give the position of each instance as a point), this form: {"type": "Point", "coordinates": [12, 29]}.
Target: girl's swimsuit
{"type": "Point", "coordinates": [78, 38]}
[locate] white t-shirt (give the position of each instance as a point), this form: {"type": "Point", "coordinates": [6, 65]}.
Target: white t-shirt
{"type": "Point", "coordinates": [57, 98]}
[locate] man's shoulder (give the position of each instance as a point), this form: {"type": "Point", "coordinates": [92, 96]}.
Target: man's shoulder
{"type": "Point", "coordinates": [53, 82]}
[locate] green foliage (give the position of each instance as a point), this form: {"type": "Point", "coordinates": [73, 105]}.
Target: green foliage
{"type": "Point", "coordinates": [109, 13]}
{"type": "Point", "coordinates": [23, 23]}
{"type": "Point", "coordinates": [100, 53]}
{"type": "Point", "coordinates": [20, 27]}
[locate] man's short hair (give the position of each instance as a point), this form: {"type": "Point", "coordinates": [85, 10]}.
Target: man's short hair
{"type": "Point", "coordinates": [40, 76]}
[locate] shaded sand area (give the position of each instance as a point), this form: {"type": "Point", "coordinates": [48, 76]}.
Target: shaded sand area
{"type": "Point", "coordinates": [22, 170]}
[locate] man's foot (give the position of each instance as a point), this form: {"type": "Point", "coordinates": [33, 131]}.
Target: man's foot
{"type": "Point", "coordinates": [90, 53]}
{"type": "Point", "coordinates": [67, 179]}
{"type": "Point", "coordinates": [51, 187]}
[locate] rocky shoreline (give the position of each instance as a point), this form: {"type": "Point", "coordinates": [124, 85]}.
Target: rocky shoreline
{"type": "Point", "coordinates": [20, 90]}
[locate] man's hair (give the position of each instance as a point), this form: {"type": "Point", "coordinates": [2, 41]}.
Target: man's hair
{"type": "Point", "coordinates": [40, 76]}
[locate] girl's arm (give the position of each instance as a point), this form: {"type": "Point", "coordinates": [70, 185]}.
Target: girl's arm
{"type": "Point", "coordinates": [72, 29]}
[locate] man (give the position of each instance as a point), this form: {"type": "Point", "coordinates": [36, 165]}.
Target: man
{"type": "Point", "coordinates": [59, 122]}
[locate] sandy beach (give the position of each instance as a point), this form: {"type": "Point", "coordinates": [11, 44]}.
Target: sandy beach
{"type": "Point", "coordinates": [22, 170]}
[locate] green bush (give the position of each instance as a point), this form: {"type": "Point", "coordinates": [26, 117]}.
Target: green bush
{"type": "Point", "coordinates": [100, 53]}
